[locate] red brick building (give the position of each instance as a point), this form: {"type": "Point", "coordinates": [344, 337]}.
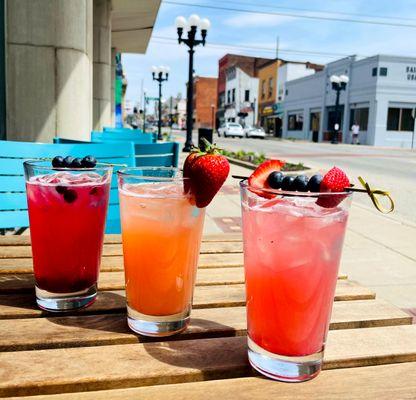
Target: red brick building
{"type": "Point", "coordinates": [205, 101]}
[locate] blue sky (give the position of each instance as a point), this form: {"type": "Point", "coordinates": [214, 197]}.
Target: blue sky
{"type": "Point", "coordinates": [255, 30]}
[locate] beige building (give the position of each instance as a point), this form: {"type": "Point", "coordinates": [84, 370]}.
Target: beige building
{"type": "Point", "coordinates": [57, 65]}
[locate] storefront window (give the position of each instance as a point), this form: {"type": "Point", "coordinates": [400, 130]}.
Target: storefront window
{"type": "Point", "coordinates": [359, 116]}
{"type": "Point", "coordinates": [247, 95]}
{"type": "Point", "coordinates": [295, 122]}
{"type": "Point", "coordinates": [270, 87]}
{"type": "Point", "coordinates": [400, 119]}
{"type": "Point", "coordinates": [233, 96]}
{"type": "Point", "coordinates": [333, 119]}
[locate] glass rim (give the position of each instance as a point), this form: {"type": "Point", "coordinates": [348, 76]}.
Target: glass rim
{"type": "Point", "coordinates": [129, 173]}
{"type": "Point", "coordinates": [289, 193]}
{"type": "Point", "coordinates": [49, 167]}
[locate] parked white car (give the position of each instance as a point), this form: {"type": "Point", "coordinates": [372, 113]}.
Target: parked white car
{"type": "Point", "coordinates": [231, 129]}
{"type": "Point", "coordinates": [254, 132]}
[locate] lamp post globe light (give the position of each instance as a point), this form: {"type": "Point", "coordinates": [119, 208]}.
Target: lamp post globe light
{"type": "Point", "coordinates": [339, 83]}
{"type": "Point", "coordinates": [191, 26]}
{"type": "Point", "coordinates": [160, 74]}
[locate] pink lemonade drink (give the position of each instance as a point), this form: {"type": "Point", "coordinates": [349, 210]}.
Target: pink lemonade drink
{"type": "Point", "coordinates": [67, 212]}
{"type": "Point", "coordinates": [292, 250]}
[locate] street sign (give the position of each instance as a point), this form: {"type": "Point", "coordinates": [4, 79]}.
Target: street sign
{"type": "Point", "coordinates": [152, 98]}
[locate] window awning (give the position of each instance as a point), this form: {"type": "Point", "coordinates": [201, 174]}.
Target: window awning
{"type": "Point", "coordinates": [132, 23]}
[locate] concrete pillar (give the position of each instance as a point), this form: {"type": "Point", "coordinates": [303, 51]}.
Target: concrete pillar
{"type": "Point", "coordinates": [49, 59]}
{"type": "Point", "coordinates": [113, 86]}
{"type": "Point", "coordinates": [102, 64]}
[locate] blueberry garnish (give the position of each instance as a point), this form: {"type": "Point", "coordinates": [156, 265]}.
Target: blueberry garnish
{"type": "Point", "coordinates": [67, 161]}
{"type": "Point", "coordinates": [287, 183]}
{"type": "Point", "coordinates": [70, 195]}
{"type": "Point", "coordinates": [61, 189]}
{"type": "Point", "coordinates": [57, 162]}
{"type": "Point", "coordinates": [76, 163]}
{"type": "Point", "coordinates": [275, 180]}
{"type": "Point", "coordinates": [89, 162]}
{"type": "Point", "coordinates": [314, 183]}
{"type": "Point", "coordinates": [300, 183]}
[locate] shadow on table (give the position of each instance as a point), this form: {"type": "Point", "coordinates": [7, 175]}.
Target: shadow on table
{"type": "Point", "coordinates": [219, 352]}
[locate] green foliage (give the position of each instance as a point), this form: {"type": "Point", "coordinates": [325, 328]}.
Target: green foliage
{"type": "Point", "coordinates": [258, 158]}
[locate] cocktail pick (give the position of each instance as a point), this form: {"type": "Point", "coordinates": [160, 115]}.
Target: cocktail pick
{"type": "Point", "coordinates": [97, 163]}
{"type": "Point", "coordinates": [372, 193]}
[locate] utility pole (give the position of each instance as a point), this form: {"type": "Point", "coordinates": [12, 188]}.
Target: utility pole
{"type": "Point", "coordinates": [277, 47]}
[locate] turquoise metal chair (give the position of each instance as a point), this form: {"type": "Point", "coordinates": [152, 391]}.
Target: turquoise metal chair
{"type": "Point", "coordinates": [122, 130]}
{"type": "Point", "coordinates": [13, 206]}
{"type": "Point", "coordinates": [122, 136]}
{"type": "Point", "coordinates": [63, 140]}
{"type": "Point", "coordinates": [157, 154]}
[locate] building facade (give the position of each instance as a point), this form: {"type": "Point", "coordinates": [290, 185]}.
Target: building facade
{"type": "Point", "coordinates": [380, 97]}
{"type": "Point", "coordinates": [241, 91]}
{"type": "Point", "coordinates": [272, 87]}
{"type": "Point", "coordinates": [238, 73]}
{"type": "Point", "coordinates": [205, 101]}
{"type": "Point", "coordinates": [57, 63]}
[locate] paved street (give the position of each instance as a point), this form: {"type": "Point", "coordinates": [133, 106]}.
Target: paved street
{"type": "Point", "coordinates": [389, 169]}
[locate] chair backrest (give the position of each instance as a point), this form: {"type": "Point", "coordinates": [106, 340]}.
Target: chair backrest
{"type": "Point", "coordinates": [13, 205]}
{"type": "Point", "coordinates": [147, 154]}
{"type": "Point", "coordinates": [157, 154]}
{"type": "Point", "coordinates": [122, 136]}
{"type": "Point", "coordinates": [63, 140]}
{"type": "Point", "coordinates": [122, 130]}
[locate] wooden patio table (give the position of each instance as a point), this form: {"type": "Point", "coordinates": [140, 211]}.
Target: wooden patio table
{"type": "Point", "coordinates": [92, 354]}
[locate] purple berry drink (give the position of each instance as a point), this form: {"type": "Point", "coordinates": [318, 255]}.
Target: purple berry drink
{"type": "Point", "coordinates": [67, 212]}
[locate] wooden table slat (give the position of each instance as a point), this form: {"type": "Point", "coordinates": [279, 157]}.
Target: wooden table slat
{"type": "Point", "coordinates": [88, 368]}
{"type": "Point", "coordinates": [116, 249]}
{"type": "Point", "coordinates": [23, 305]}
{"type": "Point", "coordinates": [382, 382]}
{"type": "Point", "coordinates": [24, 283]}
{"type": "Point", "coordinates": [98, 330]}
{"type": "Point", "coordinates": [24, 240]}
{"type": "Point", "coordinates": [115, 263]}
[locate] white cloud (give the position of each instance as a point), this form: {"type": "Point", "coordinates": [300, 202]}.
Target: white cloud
{"type": "Point", "coordinates": [256, 20]}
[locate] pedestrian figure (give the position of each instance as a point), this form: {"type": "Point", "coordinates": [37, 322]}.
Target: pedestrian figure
{"type": "Point", "coordinates": [355, 131]}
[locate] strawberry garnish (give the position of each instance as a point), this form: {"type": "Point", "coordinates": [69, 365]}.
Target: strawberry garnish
{"type": "Point", "coordinates": [187, 169]}
{"type": "Point", "coordinates": [207, 171]}
{"type": "Point", "coordinates": [258, 179]}
{"type": "Point", "coordinates": [335, 180]}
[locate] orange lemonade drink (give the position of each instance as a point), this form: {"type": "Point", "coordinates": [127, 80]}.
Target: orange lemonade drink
{"type": "Point", "coordinates": [161, 232]}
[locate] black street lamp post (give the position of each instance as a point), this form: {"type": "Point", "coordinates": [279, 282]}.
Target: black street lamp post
{"type": "Point", "coordinates": [160, 74]}
{"type": "Point", "coordinates": [339, 83]}
{"type": "Point", "coordinates": [191, 25]}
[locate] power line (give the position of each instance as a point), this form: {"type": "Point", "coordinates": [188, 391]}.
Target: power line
{"type": "Point", "coordinates": [168, 40]}
{"type": "Point", "coordinates": [317, 11]}
{"type": "Point", "coordinates": [241, 10]}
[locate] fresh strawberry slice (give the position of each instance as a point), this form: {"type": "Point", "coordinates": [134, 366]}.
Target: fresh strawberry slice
{"type": "Point", "coordinates": [335, 180]}
{"type": "Point", "coordinates": [207, 171]}
{"type": "Point", "coordinates": [258, 179]}
{"type": "Point", "coordinates": [208, 174]}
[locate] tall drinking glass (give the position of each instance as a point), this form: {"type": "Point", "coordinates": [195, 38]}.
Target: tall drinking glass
{"type": "Point", "coordinates": [292, 250]}
{"type": "Point", "coordinates": [67, 212]}
{"type": "Point", "coordinates": [161, 230]}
